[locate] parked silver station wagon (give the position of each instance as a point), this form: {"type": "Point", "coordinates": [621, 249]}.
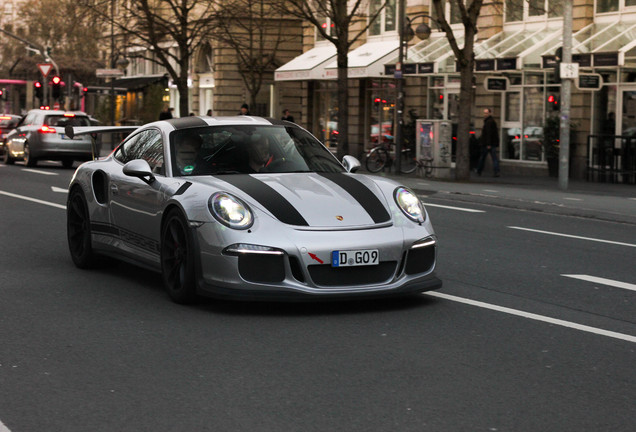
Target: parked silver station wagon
{"type": "Point", "coordinates": [40, 135]}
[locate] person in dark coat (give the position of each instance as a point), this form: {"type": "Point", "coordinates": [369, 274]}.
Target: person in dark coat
{"type": "Point", "coordinates": [245, 109]}
{"type": "Point", "coordinates": [287, 116]}
{"type": "Point", "coordinates": [489, 142]}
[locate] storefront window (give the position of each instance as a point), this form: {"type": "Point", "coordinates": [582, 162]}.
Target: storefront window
{"type": "Point", "coordinates": [326, 113]}
{"type": "Point", "coordinates": [381, 103]}
{"type": "Point", "coordinates": [531, 139]}
{"type": "Point", "coordinates": [514, 10]}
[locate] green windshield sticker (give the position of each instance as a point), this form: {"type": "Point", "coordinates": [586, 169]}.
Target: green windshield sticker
{"type": "Point", "coordinates": [188, 169]}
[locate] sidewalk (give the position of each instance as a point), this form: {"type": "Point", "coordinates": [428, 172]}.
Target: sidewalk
{"type": "Point", "coordinates": [602, 201]}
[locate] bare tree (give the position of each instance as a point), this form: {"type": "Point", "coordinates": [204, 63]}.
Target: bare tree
{"type": "Point", "coordinates": [342, 14]}
{"type": "Point", "coordinates": [60, 25]}
{"type": "Point", "coordinates": [254, 30]}
{"type": "Point", "coordinates": [465, 56]}
{"type": "Point", "coordinates": [166, 32]}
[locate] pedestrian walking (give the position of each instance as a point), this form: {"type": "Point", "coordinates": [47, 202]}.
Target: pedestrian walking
{"type": "Point", "coordinates": [245, 109]}
{"type": "Point", "coordinates": [166, 114]}
{"type": "Point", "coordinates": [489, 142]}
{"type": "Point", "coordinates": [287, 116]}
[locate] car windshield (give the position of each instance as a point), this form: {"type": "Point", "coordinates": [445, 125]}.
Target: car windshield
{"type": "Point", "coordinates": [239, 149]}
{"type": "Point", "coordinates": [70, 120]}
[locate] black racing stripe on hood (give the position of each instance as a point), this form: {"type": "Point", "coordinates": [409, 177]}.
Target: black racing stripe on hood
{"type": "Point", "coordinates": [365, 197]}
{"type": "Point", "coordinates": [268, 197]}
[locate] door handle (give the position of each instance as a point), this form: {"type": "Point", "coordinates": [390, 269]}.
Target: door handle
{"type": "Point", "coordinates": [114, 189]}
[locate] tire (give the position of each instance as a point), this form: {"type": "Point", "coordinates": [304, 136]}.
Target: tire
{"type": "Point", "coordinates": [408, 163]}
{"type": "Point", "coordinates": [376, 160]}
{"type": "Point", "coordinates": [6, 157]}
{"type": "Point", "coordinates": [28, 159]}
{"type": "Point", "coordinates": [78, 230]}
{"type": "Point", "coordinates": [177, 258]}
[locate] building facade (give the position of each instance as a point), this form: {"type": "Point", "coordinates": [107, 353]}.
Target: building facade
{"type": "Point", "coordinates": [516, 54]}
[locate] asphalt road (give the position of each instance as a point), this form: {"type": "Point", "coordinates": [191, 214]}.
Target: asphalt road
{"type": "Point", "coordinates": [534, 330]}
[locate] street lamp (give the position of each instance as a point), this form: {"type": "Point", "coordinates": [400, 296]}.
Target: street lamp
{"type": "Point", "coordinates": [423, 31]}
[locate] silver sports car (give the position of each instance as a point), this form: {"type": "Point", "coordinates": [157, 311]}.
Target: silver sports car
{"type": "Point", "coordinates": [247, 207]}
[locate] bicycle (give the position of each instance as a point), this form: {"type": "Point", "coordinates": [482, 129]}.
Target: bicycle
{"type": "Point", "coordinates": [380, 157]}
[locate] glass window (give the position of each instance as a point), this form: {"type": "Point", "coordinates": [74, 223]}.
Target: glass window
{"type": "Point", "coordinates": [513, 107]}
{"type": "Point", "coordinates": [531, 143]}
{"type": "Point", "coordinates": [606, 6]}
{"type": "Point", "coordinates": [326, 113]}
{"type": "Point", "coordinates": [514, 10]}
{"type": "Point", "coordinates": [536, 7]}
{"type": "Point", "coordinates": [236, 149]}
{"type": "Point", "coordinates": [386, 20]}
{"type": "Point", "coordinates": [555, 8]}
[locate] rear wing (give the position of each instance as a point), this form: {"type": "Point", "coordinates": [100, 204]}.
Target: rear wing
{"type": "Point", "coordinates": [93, 131]}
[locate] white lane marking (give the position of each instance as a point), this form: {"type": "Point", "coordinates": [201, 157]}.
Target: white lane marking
{"type": "Point", "coordinates": [491, 190]}
{"type": "Point", "coordinates": [602, 281]}
{"type": "Point", "coordinates": [454, 208]}
{"type": "Point", "coordinates": [581, 327]}
{"type": "Point", "coordinates": [59, 189]}
{"type": "Point", "coordinates": [39, 171]}
{"type": "Point", "coordinates": [3, 428]}
{"type": "Point", "coordinates": [63, 207]}
{"type": "Point", "coordinates": [573, 236]}
{"type": "Point", "coordinates": [573, 199]}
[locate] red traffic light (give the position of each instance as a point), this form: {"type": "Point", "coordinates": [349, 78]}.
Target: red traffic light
{"type": "Point", "coordinates": [56, 79]}
{"type": "Point", "coordinates": [37, 84]}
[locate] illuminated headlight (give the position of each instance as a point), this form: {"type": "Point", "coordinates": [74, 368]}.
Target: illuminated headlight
{"type": "Point", "coordinates": [230, 211]}
{"type": "Point", "coordinates": [410, 204]}
{"type": "Point", "coordinates": [245, 248]}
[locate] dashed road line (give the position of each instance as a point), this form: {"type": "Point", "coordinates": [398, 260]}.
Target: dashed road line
{"type": "Point", "coordinates": [536, 317]}
{"type": "Point", "coordinates": [573, 236]}
{"type": "Point", "coordinates": [39, 171]}
{"type": "Point", "coordinates": [602, 281]}
{"type": "Point", "coordinates": [59, 189]}
{"type": "Point", "coordinates": [454, 208]}
{"type": "Point", "coordinates": [35, 200]}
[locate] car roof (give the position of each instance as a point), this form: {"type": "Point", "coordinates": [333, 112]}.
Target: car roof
{"type": "Point", "coordinates": [59, 112]}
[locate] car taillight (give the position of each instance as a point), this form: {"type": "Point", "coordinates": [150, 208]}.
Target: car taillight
{"type": "Point", "coordinates": [46, 129]}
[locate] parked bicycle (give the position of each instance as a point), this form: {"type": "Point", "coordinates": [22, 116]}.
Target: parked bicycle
{"type": "Point", "coordinates": [382, 157]}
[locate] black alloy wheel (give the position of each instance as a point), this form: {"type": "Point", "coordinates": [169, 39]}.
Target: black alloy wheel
{"type": "Point", "coordinates": [6, 156]}
{"type": "Point", "coordinates": [177, 258]}
{"type": "Point", "coordinates": [78, 230]}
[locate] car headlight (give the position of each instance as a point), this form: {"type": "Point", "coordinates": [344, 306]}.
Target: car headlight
{"type": "Point", "coordinates": [410, 204]}
{"type": "Point", "coordinates": [230, 211]}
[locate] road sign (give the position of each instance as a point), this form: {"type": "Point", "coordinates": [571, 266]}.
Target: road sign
{"type": "Point", "coordinates": [45, 68]}
{"type": "Point", "coordinates": [109, 73]}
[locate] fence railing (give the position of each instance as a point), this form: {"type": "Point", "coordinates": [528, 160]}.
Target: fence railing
{"type": "Point", "coordinates": [611, 158]}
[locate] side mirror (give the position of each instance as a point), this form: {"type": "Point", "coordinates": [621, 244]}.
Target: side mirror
{"type": "Point", "coordinates": [139, 168]}
{"type": "Point", "coordinates": [351, 163]}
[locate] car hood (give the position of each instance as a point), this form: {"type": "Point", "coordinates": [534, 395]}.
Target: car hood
{"type": "Point", "coordinates": [312, 200]}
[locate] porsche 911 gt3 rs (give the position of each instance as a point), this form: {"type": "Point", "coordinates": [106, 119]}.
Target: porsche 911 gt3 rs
{"type": "Point", "coordinates": [247, 207]}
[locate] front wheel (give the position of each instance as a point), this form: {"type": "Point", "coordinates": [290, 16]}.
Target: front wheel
{"type": "Point", "coordinates": [78, 230]}
{"type": "Point", "coordinates": [376, 160]}
{"type": "Point", "coordinates": [6, 158]}
{"type": "Point", "coordinates": [177, 258]}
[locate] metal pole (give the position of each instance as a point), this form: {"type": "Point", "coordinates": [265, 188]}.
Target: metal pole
{"type": "Point", "coordinates": [112, 65]}
{"type": "Point", "coordinates": [566, 99]}
{"type": "Point", "coordinates": [399, 87]}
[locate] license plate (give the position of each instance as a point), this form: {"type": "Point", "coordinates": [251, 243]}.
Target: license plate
{"type": "Point", "coordinates": [66, 137]}
{"type": "Point", "coordinates": [350, 258]}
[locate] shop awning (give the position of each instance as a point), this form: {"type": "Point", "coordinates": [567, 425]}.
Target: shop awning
{"type": "Point", "coordinates": [601, 44]}
{"type": "Point", "coordinates": [367, 60]}
{"type": "Point", "coordinates": [433, 55]}
{"type": "Point", "coordinates": [308, 66]}
{"type": "Point", "coordinates": [139, 82]}
{"type": "Point", "coordinates": [508, 50]}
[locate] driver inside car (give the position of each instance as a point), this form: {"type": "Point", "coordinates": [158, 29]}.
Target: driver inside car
{"type": "Point", "coordinates": [187, 153]}
{"type": "Point", "coordinates": [258, 152]}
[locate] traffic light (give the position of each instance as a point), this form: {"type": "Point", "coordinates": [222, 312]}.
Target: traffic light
{"type": "Point", "coordinates": [2, 94]}
{"type": "Point", "coordinates": [553, 102]}
{"type": "Point", "coordinates": [56, 87]}
{"type": "Point", "coordinates": [37, 90]}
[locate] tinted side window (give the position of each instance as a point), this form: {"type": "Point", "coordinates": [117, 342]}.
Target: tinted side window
{"type": "Point", "coordinates": [147, 145]}
{"type": "Point", "coordinates": [151, 150]}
